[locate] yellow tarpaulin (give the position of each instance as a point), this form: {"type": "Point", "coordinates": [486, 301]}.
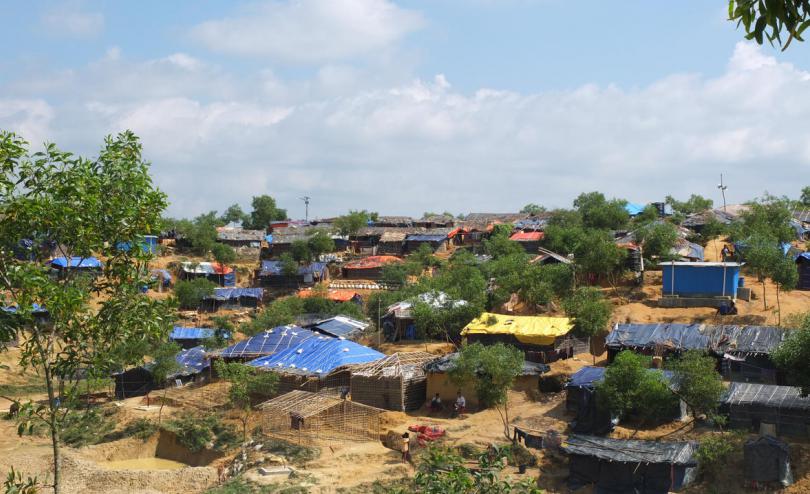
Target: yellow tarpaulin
{"type": "Point", "coordinates": [531, 330]}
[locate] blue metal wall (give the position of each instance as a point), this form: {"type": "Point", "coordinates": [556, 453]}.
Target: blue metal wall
{"type": "Point", "coordinates": [696, 280]}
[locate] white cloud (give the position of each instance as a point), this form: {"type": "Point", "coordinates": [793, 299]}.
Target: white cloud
{"type": "Point", "coordinates": [351, 141]}
{"type": "Point", "coordinates": [309, 30]}
{"type": "Point", "coordinates": [68, 19]}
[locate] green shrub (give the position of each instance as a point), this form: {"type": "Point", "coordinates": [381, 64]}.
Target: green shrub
{"type": "Point", "coordinates": [714, 451]}
{"type": "Point", "coordinates": [191, 293]}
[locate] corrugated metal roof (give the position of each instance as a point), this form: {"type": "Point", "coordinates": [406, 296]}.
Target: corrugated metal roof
{"type": "Point", "coordinates": [766, 395]}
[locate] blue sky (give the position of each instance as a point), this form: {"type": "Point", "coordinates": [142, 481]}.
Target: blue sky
{"type": "Point", "coordinates": [403, 107]}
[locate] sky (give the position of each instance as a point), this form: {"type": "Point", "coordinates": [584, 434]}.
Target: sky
{"type": "Point", "coordinates": [409, 106]}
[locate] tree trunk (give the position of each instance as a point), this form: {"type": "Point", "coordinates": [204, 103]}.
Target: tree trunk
{"type": "Point", "coordinates": [778, 307]}
{"type": "Point", "coordinates": [53, 425]}
{"type": "Point", "coordinates": [764, 302]}
{"type": "Point", "coordinates": [162, 402]}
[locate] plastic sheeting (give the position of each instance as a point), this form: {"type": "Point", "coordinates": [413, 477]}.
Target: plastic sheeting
{"type": "Point", "coordinates": [273, 268]}
{"type": "Point", "coordinates": [318, 356]}
{"type": "Point", "coordinates": [767, 459]}
{"type": "Point", "coordinates": [341, 326]}
{"type": "Point", "coordinates": [677, 336]}
{"type": "Point", "coordinates": [634, 209]}
{"type": "Point", "coordinates": [268, 342]}
{"type": "Point", "coordinates": [446, 362]}
{"type": "Point", "coordinates": [235, 293]}
{"type": "Point", "coordinates": [192, 361]}
{"type": "Point", "coordinates": [181, 333]}
{"type": "Point", "coordinates": [630, 451]}
{"type": "Point", "coordinates": [76, 262]}
{"type": "Point", "coordinates": [531, 330]}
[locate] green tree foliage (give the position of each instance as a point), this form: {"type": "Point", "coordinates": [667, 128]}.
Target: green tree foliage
{"type": "Point", "coordinates": [351, 223]}
{"type": "Point", "coordinates": [246, 383]}
{"type": "Point", "coordinates": [563, 239]}
{"type": "Point", "coordinates": [792, 355]}
{"type": "Point", "coordinates": [589, 310]}
{"type": "Point", "coordinates": [163, 365]}
{"type": "Point", "coordinates": [286, 310]}
{"type": "Point", "coordinates": [695, 204]}
{"type": "Point", "coordinates": [425, 258]}
{"type": "Point", "coordinates": [599, 213]}
{"type": "Point", "coordinates": [648, 215]}
{"type": "Point", "coordinates": [300, 252]}
{"type": "Point", "coordinates": [16, 484]}
{"type": "Point", "coordinates": [804, 199]}
{"type": "Point", "coordinates": [769, 217]}
{"type": "Point", "coordinates": [658, 240]}
{"type": "Point", "coordinates": [223, 254]}
{"type": "Point", "coordinates": [397, 273]}
{"type": "Point", "coordinates": [86, 207]}
{"type": "Point", "coordinates": [598, 255]}
{"type": "Point", "coordinates": [264, 212]}
{"type": "Point", "coordinates": [506, 273]}
{"type": "Point", "coordinates": [630, 387]}
{"type": "Point", "coordinates": [697, 382]}
{"type": "Point", "coordinates": [541, 284]}
{"type": "Point", "coordinates": [190, 293]}
{"type": "Point", "coordinates": [319, 243]}
{"type": "Point", "coordinates": [715, 450]}
{"type": "Point", "coordinates": [288, 264]}
{"type": "Point", "coordinates": [533, 209]}
{"type": "Point", "coordinates": [491, 369]}
{"type": "Point", "coordinates": [200, 235]}
{"type": "Point", "coordinates": [498, 244]}
{"type": "Point", "coordinates": [772, 21]}
{"type": "Point", "coordinates": [762, 253]}
{"type": "Point", "coordinates": [443, 471]}
{"type": "Point", "coordinates": [234, 214]}
{"type": "Point", "coordinates": [444, 323]}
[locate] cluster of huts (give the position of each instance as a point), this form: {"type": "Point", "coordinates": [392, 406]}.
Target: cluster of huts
{"type": "Point", "coordinates": [757, 400]}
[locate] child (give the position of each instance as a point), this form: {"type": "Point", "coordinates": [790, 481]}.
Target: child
{"type": "Point", "coordinates": [406, 448]}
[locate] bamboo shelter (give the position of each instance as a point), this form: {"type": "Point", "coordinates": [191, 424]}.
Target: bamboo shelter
{"type": "Point", "coordinates": [305, 416]}
{"type": "Point", "coordinates": [396, 382]}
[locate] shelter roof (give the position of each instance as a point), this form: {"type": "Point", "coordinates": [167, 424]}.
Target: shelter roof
{"type": "Point", "coordinates": [273, 268]}
{"type": "Point", "coordinates": [340, 327]}
{"type": "Point", "coordinates": [393, 236]}
{"type": "Point", "coordinates": [630, 451]}
{"type": "Point", "coordinates": [446, 362]}
{"type": "Point", "coordinates": [235, 293]}
{"type": "Point", "coordinates": [720, 339]}
{"type": "Point", "coordinates": [534, 330]}
{"type": "Point", "coordinates": [766, 395]}
{"type": "Point", "coordinates": [527, 236]}
{"type": "Point", "coordinates": [267, 342]}
{"type": "Point", "coordinates": [372, 262]}
{"type": "Point", "coordinates": [205, 268]}
{"type": "Point", "coordinates": [181, 333]}
{"type": "Point", "coordinates": [229, 233]}
{"type": "Point", "coordinates": [305, 404]}
{"type": "Point", "coordinates": [400, 364]}
{"type": "Point", "coordinates": [545, 254]}
{"type": "Point", "coordinates": [331, 294]}
{"type": "Point", "coordinates": [75, 262]}
{"type": "Point", "coordinates": [317, 356]}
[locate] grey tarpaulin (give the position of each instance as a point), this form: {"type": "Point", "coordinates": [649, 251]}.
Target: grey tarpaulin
{"type": "Point", "coordinates": [767, 459]}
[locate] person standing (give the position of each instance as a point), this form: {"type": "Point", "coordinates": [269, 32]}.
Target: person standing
{"type": "Point", "coordinates": [406, 448]}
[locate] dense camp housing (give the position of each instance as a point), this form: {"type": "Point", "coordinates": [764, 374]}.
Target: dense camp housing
{"type": "Point", "coordinates": [396, 382]}
{"type": "Point", "coordinates": [767, 409]}
{"type": "Point", "coordinates": [535, 335]}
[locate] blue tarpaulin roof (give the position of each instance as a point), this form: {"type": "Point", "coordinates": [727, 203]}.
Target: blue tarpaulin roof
{"type": "Point", "coordinates": [588, 377]}
{"type": "Point", "coordinates": [805, 256]}
{"type": "Point", "coordinates": [75, 262]}
{"type": "Point", "coordinates": [193, 360]}
{"type": "Point", "coordinates": [180, 333]}
{"type": "Point", "coordinates": [425, 238]}
{"type": "Point", "coordinates": [634, 209]}
{"type": "Point", "coordinates": [317, 356]}
{"type": "Point", "coordinates": [35, 309]}
{"type": "Point", "coordinates": [235, 293]}
{"type": "Point", "coordinates": [340, 326]}
{"type": "Point", "coordinates": [268, 342]}
{"type": "Point", "coordinates": [273, 268]}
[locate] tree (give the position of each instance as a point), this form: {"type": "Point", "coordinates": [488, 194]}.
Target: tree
{"type": "Point", "coordinates": [287, 264]}
{"type": "Point", "coordinates": [563, 239]}
{"type": "Point", "coordinates": [598, 255]}
{"type": "Point", "coordinates": [498, 244]}
{"type": "Point", "coordinates": [697, 382]}
{"type": "Point", "coordinates": [444, 322]}
{"type": "Point", "coordinates": [163, 365]}
{"type": "Point", "coordinates": [648, 215]}
{"type": "Point", "coordinates": [533, 209]}
{"type": "Point", "coordinates": [82, 207]}
{"type": "Point", "coordinates": [246, 382]}
{"type": "Point", "coordinates": [300, 252]}
{"type": "Point", "coordinates": [630, 387]}
{"type": "Point", "coordinates": [805, 197]}
{"type": "Point", "coordinates": [396, 273]}
{"type": "Point", "coordinates": [351, 223]}
{"type": "Point", "coordinates": [199, 235]}
{"type": "Point", "coordinates": [223, 254]}
{"type": "Point", "coordinates": [695, 204]}
{"type": "Point", "coordinates": [264, 212]}
{"type": "Point", "coordinates": [761, 254]}
{"type": "Point", "coordinates": [768, 20]}
{"type": "Point", "coordinates": [784, 273]}
{"type": "Point", "coordinates": [659, 239]}
{"type": "Point", "coordinates": [425, 258]}
{"type": "Point", "coordinates": [792, 355]}
{"type": "Point", "coordinates": [234, 214]}
{"type": "Point", "coordinates": [320, 243]}
{"type": "Point", "coordinates": [599, 213]}
{"type": "Point", "coordinates": [589, 309]}
{"type": "Point", "coordinates": [191, 293]}
{"type": "Point", "coordinates": [492, 371]}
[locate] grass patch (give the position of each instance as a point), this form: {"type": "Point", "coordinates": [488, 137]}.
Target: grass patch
{"type": "Point", "coordinates": [141, 428]}
{"type": "Point", "coordinates": [16, 390]}
{"type": "Point", "coordinates": [195, 432]}
{"type": "Point", "coordinates": [297, 484]}
{"type": "Point", "coordinates": [404, 484]}
{"type": "Point", "coordinates": [295, 454]}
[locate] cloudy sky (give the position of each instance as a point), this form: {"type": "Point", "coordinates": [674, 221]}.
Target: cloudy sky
{"type": "Point", "coordinates": [415, 105]}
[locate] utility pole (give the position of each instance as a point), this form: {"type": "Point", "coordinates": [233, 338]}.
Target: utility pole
{"type": "Point", "coordinates": [723, 191]}
{"type": "Point", "coordinates": [306, 205]}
